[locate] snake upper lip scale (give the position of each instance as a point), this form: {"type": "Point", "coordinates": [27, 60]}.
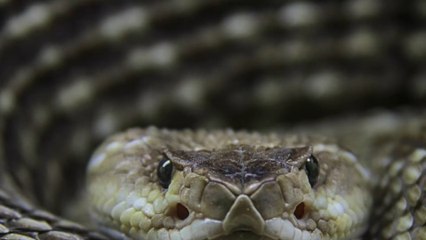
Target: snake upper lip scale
{"type": "Point", "coordinates": [164, 184]}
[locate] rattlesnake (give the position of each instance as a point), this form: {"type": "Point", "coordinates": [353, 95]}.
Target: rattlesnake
{"type": "Point", "coordinates": [72, 73]}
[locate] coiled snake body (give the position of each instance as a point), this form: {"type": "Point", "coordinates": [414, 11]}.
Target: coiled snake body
{"type": "Point", "coordinates": [74, 72]}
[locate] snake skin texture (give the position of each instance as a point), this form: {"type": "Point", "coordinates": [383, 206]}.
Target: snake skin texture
{"type": "Point", "coordinates": [74, 72]}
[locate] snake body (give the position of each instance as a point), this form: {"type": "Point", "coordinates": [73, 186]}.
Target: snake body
{"type": "Point", "coordinates": [74, 72]}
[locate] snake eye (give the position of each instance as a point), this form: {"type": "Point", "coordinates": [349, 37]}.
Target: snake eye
{"type": "Point", "coordinates": [312, 170]}
{"type": "Point", "coordinates": [164, 172]}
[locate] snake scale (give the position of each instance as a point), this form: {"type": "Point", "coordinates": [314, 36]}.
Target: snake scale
{"type": "Point", "coordinates": [311, 81]}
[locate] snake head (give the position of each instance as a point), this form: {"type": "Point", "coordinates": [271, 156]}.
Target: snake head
{"type": "Point", "coordinates": [161, 184]}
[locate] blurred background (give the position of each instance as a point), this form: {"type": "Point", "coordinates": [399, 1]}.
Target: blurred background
{"type": "Point", "coordinates": [73, 72]}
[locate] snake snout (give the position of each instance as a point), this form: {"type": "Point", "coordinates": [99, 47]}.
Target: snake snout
{"type": "Point", "coordinates": [243, 216]}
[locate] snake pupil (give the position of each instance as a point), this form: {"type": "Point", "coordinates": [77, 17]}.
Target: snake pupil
{"type": "Point", "coordinates": [312, 170]}
{"type": "Point", "coordinates": [164, 172]}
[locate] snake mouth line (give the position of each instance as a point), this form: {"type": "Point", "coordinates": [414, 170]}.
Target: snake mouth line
{"type": "Point", "coordinates": [246, 235]}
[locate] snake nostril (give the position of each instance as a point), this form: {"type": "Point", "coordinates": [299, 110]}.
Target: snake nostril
{"type": "Point", "coordinates": [299, 212]}
{"type": "Point", "coordinates": [181, 211]}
